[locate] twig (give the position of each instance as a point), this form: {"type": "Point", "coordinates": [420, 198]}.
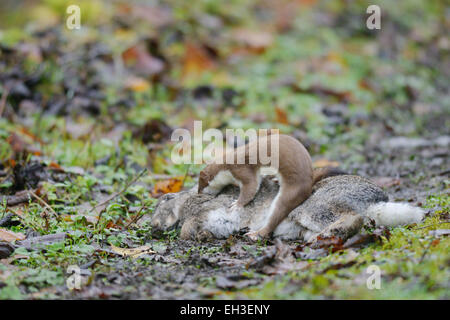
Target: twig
{"type": "Point", "coordinates": [120, 192]}
{"type": "Point", "coordinates": [136, 217]}
{"type": "Point", "coordinates": [31, 243]}
{"type": "Point", "coordinates": [3, 100]}
{"type": "Point", "coordinates": [45, 204]}
{"type": "Point", "coordinates": [19, 197]}
{"type": "Point", "coordinates": [157, 176]}
{"type": "Point", "coordinates": [117, 194]}
{"type": "Point", "coordinates": [185, 175]}
{"type": "Point", "coordinates": [434, 224]}
{"type": "Point", "coordinates": [23, 220]}
{"type": "Point", "coordinates": [425, 252]}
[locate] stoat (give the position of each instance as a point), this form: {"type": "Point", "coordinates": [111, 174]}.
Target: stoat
{"type": "Point", "coordinates": [294, 170]}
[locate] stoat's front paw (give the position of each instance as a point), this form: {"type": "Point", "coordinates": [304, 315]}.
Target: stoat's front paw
{"type": "Point", "coordinates": [257, 235]}
{"type": "Point", "coordinates": [254, 236]}
{"type": "Point", "coordinates": [235, 206]}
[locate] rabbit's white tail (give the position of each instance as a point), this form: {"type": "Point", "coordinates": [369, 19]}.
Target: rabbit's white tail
{"type": "Point", "coordinates": [391, 214]}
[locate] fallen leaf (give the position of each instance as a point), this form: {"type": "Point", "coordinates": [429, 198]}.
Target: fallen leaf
{"type": "Point", "coordinates": [13, 258]}
{"type": "Point", "coordinates": [144, 63]}
{"type": "Point", "coordinates": [196, 60]}
{"type": "Point", "coordinates": [380, 232]}
{"type": "Point", "coordinates": [172, 185]}
{"type": "Point", "coordinates": [133, 252]}
{"type": "Point", "coordinates": [18, 210]}
{"type": "Point", "coordinates": [281, 116]}
{"type": "Point", "coordinates": [359, 240]}
{"type": "Point", "coordinates": [278, 259]}
{"type": "Point", "coordinates": [137, 84]}
{"type": "Point", "coordinates": [111, 224]}
{"type": "Point", "coordinates": [435, 242]}
{"type": "Point", "coordinates": [285, 13]}
{"type": "Point", "coordinates": [39, 241]}
{"type": "Point", "coordinates": [157, 16]}
{"type": "Point", "coordinates": [229, 282]}
{"type": "Point", "coordinates": [29, 134]}
{"type": "Point", "coordinates": [337, 266]}
{"type": "Point", "coordinates": [439, 232]}
{"type": "Point", "coordinates": [310, 254]}
{"type": "Point", "coordinates": [255, 40]}
{"type": "Point", "coordinates": [18, 145]}
{"type": "Point", "coordinates": [10, 236]}
{"type": "Point", "coordinates": [335, 243]}
{"type": "Point", "coordinates": [89, 219]}
{"type": "Point", "coordinates": [78, 130]}
{"type": "Point", "coordinates": [55, 166]}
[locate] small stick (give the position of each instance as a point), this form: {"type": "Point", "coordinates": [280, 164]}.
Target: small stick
{"type": "Point", "coordinates": [136, 217]}
{"type": "Point", "coordinates": [27, 223]}
{"type": "Point", "coordinates": [117, 194]}
{"type": "Point", "coordinates": [185, 175]}
{"type": "Point", "coordinates": [434, 224]}
{"type": "Point", "coordinates": [45, 204]}
{"type": "Point", "coordinates": [3, 101]}
{"type": "Point", "coordinates": [425, 252]}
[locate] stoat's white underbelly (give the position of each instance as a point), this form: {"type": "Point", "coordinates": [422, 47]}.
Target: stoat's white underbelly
{"type": "Point", "coordinates": [225, 178]}
{"type": "Point", "coordinates": [222, 179]}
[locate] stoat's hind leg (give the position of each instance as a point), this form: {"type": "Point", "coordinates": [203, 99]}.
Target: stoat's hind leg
{"type": "Point", "coordinates": [345, 227]}
{"type": "Point", "coordinates": [289, 197]}
{"type": "Point", "coordinates": [250, 182]}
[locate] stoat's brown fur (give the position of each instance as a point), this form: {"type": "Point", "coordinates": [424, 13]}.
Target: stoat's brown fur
{"type": "Point", "coordinates": [294, 171]}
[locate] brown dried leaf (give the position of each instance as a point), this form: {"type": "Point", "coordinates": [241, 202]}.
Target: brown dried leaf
{"type": "Point", "coordinates": [133, 252]}
{"type": "Point", "coordinates": [171, 185]}
{"type": "Point", "coordinates": [255, 40]}
{"type": "Point", "coordinates": [359, 240]}
{"type": "Point", "coordinates": [335, 243]}
{"type": "Point", "coordinates": [18, 145]}
{"type": "Point", "coordinates": [281, 116]}
{"type": "Point", "coordinates": [157, 16]}
{"type": "Point", "coordinates": [137, 84]}
{"type": "Point", "coordinates": [145, 64]}
{"type": "Point", "coordinates": [10, 236]}
{"type": "Point", "coordinates": [196, 60]}
{"type": "Point", "coordinates": [78, 130]}
{"type": "Point", "coordinates": [55, 166]}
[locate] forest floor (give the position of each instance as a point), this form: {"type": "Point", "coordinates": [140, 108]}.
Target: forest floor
{"type": "Point", "coordinates": [87, 115]}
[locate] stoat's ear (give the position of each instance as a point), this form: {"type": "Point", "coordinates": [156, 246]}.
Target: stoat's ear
{"type": "Point", "coordinates": [204, 175]}
{"type": "Point", "coordinates": [203, 181]}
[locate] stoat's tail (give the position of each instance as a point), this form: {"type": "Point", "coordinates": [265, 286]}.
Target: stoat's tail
{"type": "Point", "coordinates": [325, 172]}
{"type": "Point", "coordinates": [392, 214]}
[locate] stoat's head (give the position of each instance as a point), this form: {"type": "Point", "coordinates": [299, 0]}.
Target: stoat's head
{"type": "Point", "coordinates": [206, 176]}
